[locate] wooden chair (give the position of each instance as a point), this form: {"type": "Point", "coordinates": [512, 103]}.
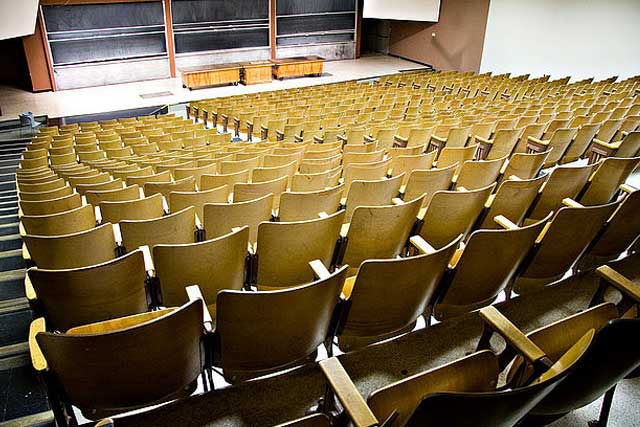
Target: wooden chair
{"type": "Point", "coordinates": [76, 361]}
{"type": "Point", "coordinates": [365, 172]}
{"type": "Point", "coordinates": [70, 250]}
{"type": "Point", "coordinates": [606, 180]}
{"type": "Point", "coordinates": [231, 166]}
{"type": "Point", "coordinates": [115, 184]}
{"type": "Point", "coordinates": [181, 173]}
{"type": "Point", "coordinates": [629, 146]}
{"type": "Point", "coordinates": [535, 130]}
{"type": "Point", "coordinates": [564, 182]}
{"type": "Point", "coordinates": [49, 207]}
{"type": "Point", "coordinates": [581, 143]}
{"type": "Point", "coordinates": [275, 160]}
{"type": "Point", "coordinates": [213, 265]}
{"type": "Point", "coordinates": [512, 200]}
{"type": "Point", "coordinates": [457, 137]}
{"type": "Point", "coordinates": [177, 228]}
{"type": "Point", "coordinates": [476, 174]}
{"type": "Point", "coordinates": [408, 164]}
{"type": "Point", "coordinates": [428, 182]}
{"type": "Point", "coordinates": [139, 209]}
{"type": "Point", "coordinates": [451, 213]}
{"type": "Point", "coordinates": [503, 144]}
{"type": "Point", "coordinates": [561, 244]}
{"type": "Point", "coordinates": [286, 326]}
{"type": "Point", "coordinates": [285, 249]}
{"type": "Point", "coordinates": [485, 267]}
{"type": "Point", "coordinates": [179, 200]}
{"type": "Point", "coordinates": [309, 205]}
{"type": "Point", "coordinates": [66, 222]}
{"type": "Point", "coordinates": [378, 232]}
{"type": "Point", "coordinates": [525, 166]}
{"type": "Point", "coordinates": [125, 194]}
{"type": "Point", "coordinates": [142, 180]}
{"type": "Point", "coordinates": [271, 173]}
{"type": "Point", "coordinates": [243, 192]}
{"type": "Point", "coordinates": [79, 296]}
{"type": "Point", "coordinates": [303, 183]}
{"type": "Point", "coordinates": [221, 218]}
{"type": "Point", "coordinates": [558, 143]}
{"type": "Point", "coordinates": [164, 188]}
{"type": "Point", "coordinates": [387, 296]}
{"type": "Point", "coordinates": [209, 182]}
{"type": "Point", "coordinates": [371, 193]}
{"type": "Point", "coordinates": [41, 187]}
{"type": "Point", "coordinates": [46, 195]}
{"type": "Point", "coordinates": [450, 156]}
{"type": "Point", "coordinates": [349, 158]}
{"type": "Point", "coordinates": [311, 166]}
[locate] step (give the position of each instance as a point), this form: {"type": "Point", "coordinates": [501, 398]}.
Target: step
{"type": "Point", "coordinates": [10, 241]}
{"type": "Point", "coordinates": [14, 329]}
{"type": "Point", "coordinates": [8, 196]}
{"type": "Point", "coordinates": [7, 177]}
{"type": "Point", "coordinates": [9, 156]}
{"type": "Point", "coordinates": [11, 260]}
{"type": "Point", "coordinates": [8, 215]}
{"type": "Point", "coordinates": [9, 163]}
{"type": "Point", "coordinates": [7, 185]}
{"type": "Point", "coordinates": [12, 287]}
{"type": "Point", "coordinates": [40, 419]}
{"type": "Point", "coordinates": [6, 229]}
{"type": "Point", "coordinates": [8, 169]}
{"type": "Point", "coordinates": [11, 149]}
{"type": "Point", "coordinates": [24, 398]}
{"type": "Point", "coordinates": [8, 203]}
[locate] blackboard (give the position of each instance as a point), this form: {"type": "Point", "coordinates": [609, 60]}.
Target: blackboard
{"type": "Point", "coordinates": [315, 39]}
{"type": "Point", "coordinates": [199, 42]}
{"type": "Point", "coordinates": [314, 23]}
{"type": "Point", "coordinates": [294, 7]}
{"type": "Point", "coordinates": [194, 11]}
{"type": "Point", "coordinates": [82, 51]}
{"type": "Point", "coordinates": [95, 16]}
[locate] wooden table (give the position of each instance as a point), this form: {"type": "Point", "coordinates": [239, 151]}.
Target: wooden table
{"type": "Point", "coordinates": [255, 72]}
{"type": "Point", "coordinates": [210, 75]}
{"type": "Point", "coordinates": [297, 67]}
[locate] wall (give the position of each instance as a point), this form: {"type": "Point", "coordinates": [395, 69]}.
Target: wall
{"type": "Point", "coordinates": [581, 38]}
{"type": "Point", "coordinates": [458, 41]}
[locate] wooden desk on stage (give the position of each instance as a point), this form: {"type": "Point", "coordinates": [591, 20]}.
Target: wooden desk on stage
{"type": "Point", "coordinates": [297, 67]}
{"type": "Point", "coordinates": [210, 75]}
{"type": "Point", "coordinates": [255, 72]}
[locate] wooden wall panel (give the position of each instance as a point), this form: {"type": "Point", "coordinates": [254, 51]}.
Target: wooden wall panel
{"type": "Point", "coordinates": [37, 61]}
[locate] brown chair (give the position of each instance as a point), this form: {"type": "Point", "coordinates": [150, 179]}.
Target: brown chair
{"type": "Point", "coordinates": [525, 165]}
{"type": "Point", "coordinates": [581, 142]}
{"type": "Point", "coordinates": [605, 181]}
{"type": "Point", "coordinates": [66, 222]}
{"type": "Point", "coordinates": [558, 144]}
{"type": "Point", "coordinates": [503, 144]}
{"type": "Point", "coordinates": [243, 192]}
{"type": "Point", "coordinates": [177, 228]}
{"type": "Point", "coordinates": [372, 193]}
{"type": "Point", "coordinates": [209, 182]}
{"type": "Point", "coordinates": [179, 200]}
{"type": "Point", "coordinates": [512, 200]}
{"type": "Point", "coordinates": [125, 194]}
{"type": "Point", "coordinates": [221, 218]}
{"type": "Point", "coordinates": [46, 195]}
{"type": "Point", "coordinates": [164, 188]}
{"type": "Point", "coordinates": [476, 174]}
{"type": "Point", "coordinates": [428, 182]}
{"type": "Point", "coordinates": [408, 164]}
{"type": "Point", "coordinates": [450, 156]}
{"type": "Point", "coordinates": [137, 209]}
{"type": "Point", "coordinates": [50, 207]}
{"type": "Point", "coordinates": [309, 205]}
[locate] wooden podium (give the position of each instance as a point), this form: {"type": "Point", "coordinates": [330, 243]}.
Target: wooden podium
{"type": "Point", "coordinates": [210, 75]}
{"type": "Point", "coordinates": [297, 67]}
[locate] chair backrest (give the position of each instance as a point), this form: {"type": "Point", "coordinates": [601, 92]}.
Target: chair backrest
{"type": "Point", "coordinates": [428, 182]}
{"type": "Point", "coordinates": [388, 295]}
{"type": "Point", "coordinates": [220, 218]}
{"type": "Point", "coordinates": [66, 222]}
{"type": "Point", "coordinates": [307, 206]}
{"type": "Point", "coordinates": [449, 156]}
{"type": "Point", "coordinates": [233, 166]}
{"type": "Point", "coordinates": [608, 129]}
{"type": "Point", "coordinates": [181, 173]}
{"type": "Point", "coordinates": [115, 184]}
{"type": "Point", "coordinates": [310, 166]}
{"type": "Point", "coordinates": [488, 263]}
{"type": "Point", "coordinates": [512, 200]}
{"type": "Point", "coordinates": [286, 248]}
{"type": "Point", "coordinates": [164, 176]}
{"type": "Point", "coordinates": [209, 182]}
{"type": "Point", "coordinates": [243, 192]}
{"type": "Point", "coordinates": [476, 174]}
{"type": "Point", "coordinates": [214, 265]}
{"type": "Point", "coordinates": [179, 200]}
{"type": "Point", "coordinates": [275, 160]}
{"type": "Point", "coordinates": [174, 361]}
{"type": "Point", "coordinates": [263, 331]}
{"type": "Point", "coordinates": [43, 186]}
{"type": "Point", "coordinates": [164, 188]}
{"type": "Point", "coordinates": [630, 145]}
{"type": "Point", "coordinates": [504, 142]}
{"type": "Point", "coordinates": [131, 192]}
{"type": "Point", "coordinates": [49, 207]}
{"type": "Point", "coordinates": [451, 213]}
{"type": "Point", "coordinates": [458, 136]}
{"type": "Point", "coordinates": [535, 130]}
{"type": "Point", "coordinates": [349, 158]}
{"type": "Point", "coordinates": [581, 142]}
{"type": "Point", "coordinates": [177, 228]}
{"type": "Point", "coordinates": [372, 193]}
{"type": "Point", "coordinates": [275, 172]}
{"type": "Point", "coordinates": [70, 250]}
{"type": "Point", "coordinates": [524, 165]}
{"type": "Point", "coordinates": [80, 296]}
{"type": "Point", "coordinates": [137, 209]}
{"type": "Point", "coordinates": [380, 232]}
{"type": "Point", "coordinates": [304, 183]}
{"type": "Point", "coordinates": [605, 181]}
{"type": "Point", "coordinates": [46, 195]}
{"type": "Point", "coordinates": [407, 164]}
{"type": "Point", "coordinates": [570, 232]}
{"type": "Point", "coordinates": [365, 172]}
{"type": "Point", "coordinates": [559, 143]}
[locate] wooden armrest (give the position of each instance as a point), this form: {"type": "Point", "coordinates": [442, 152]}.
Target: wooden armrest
{"type": "Point", "coordinates": [342, 138]}
{"type": "Point", "coordinates": [37, 358]}
{"type": "Point", "coordinates": [119, 323]}
{"type": "Point", "coordinates": [610, 146]}
{"type": "Point", "coordinates": [627, 188]}
{"type": "Point", "coordinates": [515, 178]}
{"type": "Point", "coordinates": [422, 245]}
{"type": "Point", "coordinates": [347, 393]}
{"type": "Point", "coordinates": [369, 139]}
{"type": "Point", "coordinates": [194, 293]}
{"type": "Point", "coordinates": [264, 128]}
{"type": "Point", "coordinates": [571, 203]}
{"type": "Point", "coordinates": [279, 133]}
{"type": "Point", "coordinates": [345, 229]}
{"type": "Point", "coordinates": [461, 188]}
{"type": "Point", "coordinates": [439, 138]}
{"type": "Point", "coordinates": [617, 280]}
{"type": "Point", "coordinates": [30, 293]}
{"type": "Point", "coordinates": [298, 138]}
{"type": "Point", "coordinates": [250, 123]}
{"type": "Point", "coordinates": [401, 139]}
{"type": "Point", "coordinates": [21, 229]}
{"type": "Point", "coordinates": [323, 215]}
{"type": "Point", "coordinates": [318, 139]}
{"type": "Point", "coordinates": [483, 140]}
{"type": "Point", "coordinates": [543, 232]}
{"type": "Point", "coordinates": [489, 201]}
{"type": "Point", "coordinates": [512, 335]}
{"type": "Point", "coordinates": [505, 222]}
{"type": "Point", "coordinates": [106, 422]}
{"type": "Point", "coordinates": [397, 201]}
{"type": "Point", "coordinates": [319, 269]}
{"type": "Point", "coordinates": [455, 259]}
{"type": "Point", "coordinates": [148, 260]}
{"type": "Point", "coordinates": [538, 141]}
{"type": "Point", "coordinates": [26, 256]}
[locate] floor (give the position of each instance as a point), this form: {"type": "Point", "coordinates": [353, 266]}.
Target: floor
{"type": "Point", "coordinates": [125, 96]}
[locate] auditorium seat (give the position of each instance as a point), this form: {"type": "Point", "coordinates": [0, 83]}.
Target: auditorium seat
{"type": "Point", "coordinates": [177, 228]}
{"type": "Point", "coordinates": [125, 194]}
{"type": "Point", "coordinates": [606, 180]}
{"type": "Point", "coordinates": [243, 192]}
{"type": "Point", "coordinates": [178, 200]}
{"type": "Point", "coordinates": [301, 206]}
{"type": "Point", "coordinates": [137, 209]}
{"type": "Point", "coordinates": [476, 174]}
{"type": "Point", "coordinates": [558, 143]}
{"type": "Point", "coordinates": [66, 222]}
{"type": "Point", "coordinates": [164, 188]}
{"type": "Point", "coordinates": [371, 193]}
{"type": "Point", "coordinates": [451, 155]}
{"type": "Point", "coordinates": [512, 199]}
{"type": "Point", "coordinates": [221, 218]}
{"type": "Point", "coordinates": [428, 182]}
{"type": "Point", "coordinates": [50, 206]}
{"type": "Point", "coordinates": [581, 142]}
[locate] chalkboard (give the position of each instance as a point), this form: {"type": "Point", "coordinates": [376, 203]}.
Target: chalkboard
{"type": "Point", "coordinates": [193, 11]}
{"type": "Point", "coordinates": [314, 23]}
{"type": "Point", "coordinates": [315, 39]}
{"type": "Point", "coordinates": [294, 7]}
{"type": "Point", "coordinates": [82, 51]}
{"type": "Point", "coordinates": [199, 42]}
{"type": "Point", "coordinates": [95, 16]}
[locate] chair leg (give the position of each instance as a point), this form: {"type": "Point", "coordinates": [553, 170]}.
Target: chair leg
{"type": "Point", "coordinates": [605, 409]}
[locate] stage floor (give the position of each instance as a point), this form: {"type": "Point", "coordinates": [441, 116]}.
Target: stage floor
{"type": "Point", "coordinates": [127, 96]}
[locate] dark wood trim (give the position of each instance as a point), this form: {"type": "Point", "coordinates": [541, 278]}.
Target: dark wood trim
{"type": "Point", "coordinates": [37, 60]}
{"type": "Point", "coordinates": [171, 44]}
{"type": "Point", "coordinates": [68, 2]}
{"type": "Point", "coordinates": [359, 6]}
{"type": "Point", "coordinates": [47, 49]}
{"type": "Point", "coordinates": [272, 27]}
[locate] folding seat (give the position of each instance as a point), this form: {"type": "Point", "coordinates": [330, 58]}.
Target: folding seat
{"type": "Point", "coordinates": [275, 160]}
{"type": "Point", "coordinates": [301, 206]}
{"type": "Point", "coordinates": [243, 192]}
{"type": "Point", "coordinates": [524, 165]}
{"type": "Point", "coordinates": [608, 130]}
{"type": "Point", "coordinates": [34, 163]}
{"type": "Point", "coordinates": [41, 187]}
{"type": "Point", "coordinates": [558, 143]}
{"type": "Point", "coordinates": [79, 359]}
{"type": "Point", "coordinates": [349, 158]}
{"type": "Point", "coordinates": [558, 248]}
{"type": "Point", "coordinates": [353, 136]}
{"type": "Point", "coordinates": [46, 176]}
{"type": "Point", "coordinates": [115, 184]}
{"type": "Point", "coordinates": [50, 206]}
{"type": "Point", "coordinates": [534, 130]}
{"type": "Point", "coordinates": [427, 182]}
{"type": "Point", "coordinates": [629, 146]}
{"type": "Point", "coordinates": [221, 218]}
{"type": "Point", "coordinates": [229, 166]}
{"type": "Point", "coordinates": [164, 188]}
{"type": "Point", "coordinates": [378, 232]}
{"type": "Point", "coordinates": [66, 222]}
{"type": "Point", "coordinates": [606, 180]}
{"type": "Point", "coordinates": [177, 228]}
{"type": "Point", "coordinates": [564, 182]}
{"type": "Point", "coordinates": [136, 209]}
{"type": "Point", "coordinates": [46, 195]}
{"type": "Point", "coordinates": [323, 147]}
{"type": "Point", "coordinates": [129, 193]}
{"type": "Point", "coordinates": [503, 144]}
{"type": "Point", "coordinates": [328, 133]}
{"type": "Point", "coordinates": [629, 124]}
{"type": "Point", "coordinates": [512, 200]}
{"type": "Point", "coordinates": [407, 164]}
{"type": "Point", "coordinates": [179, 200]}
{"type": "Point", "coordinates": [553, 126]}
{"type": "Point", "coordinates": [209, 182]}
{"type": "Point", "coordinates": [268, 129]}
{"type": "Point", "coordinates": [581, 142]}
{"type": "Point", "coordinates": [372, 193]}
{"type": "Point", "coordinates": [213, 265]}
{"type": "Point", "coordinates": [485, 267]}
{"type": "Point", "coordinates": [383, 137]}
{"type": "Point", "coordinates": [365, 171]}
{"type": "Point", "coordinates": [377, 310]}
{"type": "Point", "coordinates": [313, 182]}
{"type": "Point", "coordinates": [449, 156]}
{"type": "Point", "coordinates": [324, 154]}
{"type": "Point", "coordinates": [457, 137]}
{"type": "Point", "coordinates": [99, 178]}
{"type": "Point", "coordinates": [451, 213]}
{"type": "Point", "coordinates": [270, 173]}
{"type": "Point", "coordinates": [286, 326]}
{"type": "Point", "coordinates": [476, 174]}
{"type": "Point", "coordinates": [312, 166]}
{"type": "Point", "coordinates": [71, 250]}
